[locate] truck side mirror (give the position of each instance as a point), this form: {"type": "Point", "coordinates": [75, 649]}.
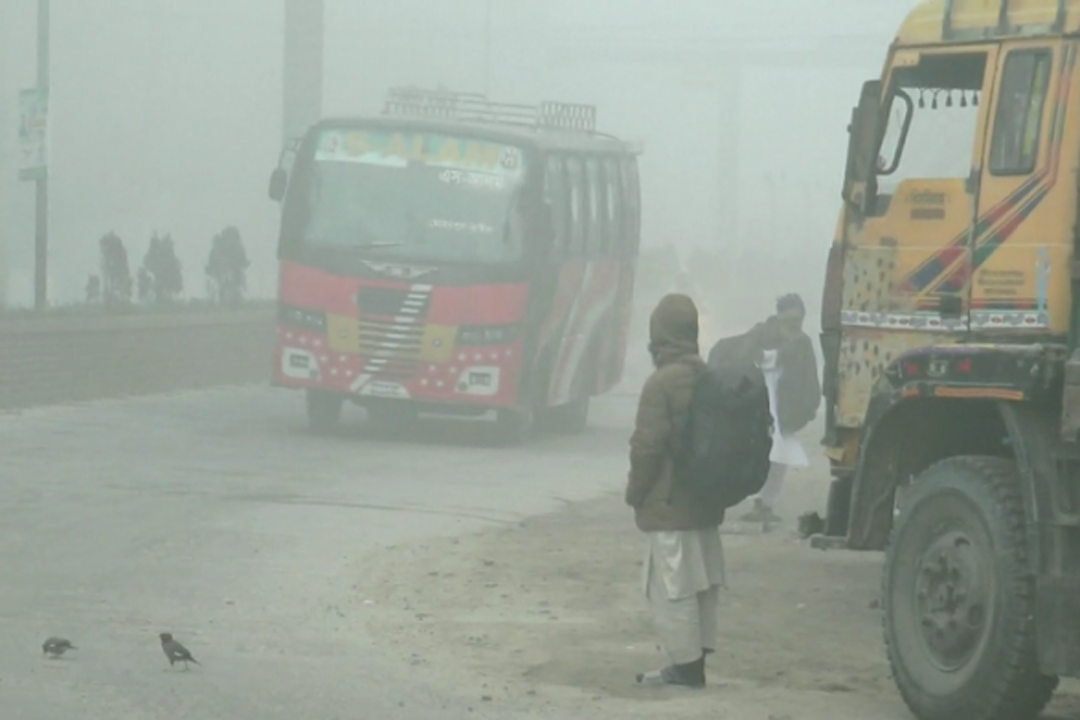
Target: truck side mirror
{"type": "Point", "coordinates": [863, 135]}
{"type": "Point", "coordinates": [279, 180]}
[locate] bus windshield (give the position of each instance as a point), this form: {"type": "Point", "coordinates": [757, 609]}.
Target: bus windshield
{"type": "Point", "coordinates": [415, 196]}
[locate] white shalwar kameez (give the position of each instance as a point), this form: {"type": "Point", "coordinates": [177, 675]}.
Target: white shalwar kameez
{"type": "Point", "coordinates": [787, 451]}
{"type": "Point", "coordinates": [682, 577]}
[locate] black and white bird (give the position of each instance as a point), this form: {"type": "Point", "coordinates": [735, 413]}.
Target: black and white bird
{"type": "Point", "coordinates": [56, 646]}
{"type": "Point", "coordinates": [176, 652]}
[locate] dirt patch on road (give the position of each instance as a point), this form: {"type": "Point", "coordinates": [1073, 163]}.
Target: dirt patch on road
{"type": "Point", "coordinates": [555, 604]}
{"type": "Point", "coordinates": [552, 609]}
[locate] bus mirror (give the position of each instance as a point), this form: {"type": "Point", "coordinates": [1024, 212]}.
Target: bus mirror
{"type": "Point", "coordinates": [279, 180]}
{"type": "Point", "coordinates": [862, 143]}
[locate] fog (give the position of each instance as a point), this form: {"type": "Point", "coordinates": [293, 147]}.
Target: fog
{"type": "Point", "coordinates": [166, 116]}
{"type": "Point", "coordinates": [324, 560]}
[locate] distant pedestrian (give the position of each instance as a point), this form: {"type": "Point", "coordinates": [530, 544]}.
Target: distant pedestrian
{"type": "Point", "coordinates": [786, 356]}
{"type": "Point", "coordinates": [684, 564]}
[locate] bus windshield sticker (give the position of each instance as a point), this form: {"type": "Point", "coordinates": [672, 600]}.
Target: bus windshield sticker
{"type": "Point", "coordinates": [474, 180]}
{"type": "Point", "coordinates": [398, 149]}
{"type": "Point", "coordinates": [477, 228]}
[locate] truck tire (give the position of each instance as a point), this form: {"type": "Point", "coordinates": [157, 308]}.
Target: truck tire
{"type": "Point", "coordinates": [958, 598]}
{"type": "Point", "coordinates": [323, 410]}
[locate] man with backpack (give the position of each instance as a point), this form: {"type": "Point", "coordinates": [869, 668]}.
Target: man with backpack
{"type": "Point", "coordinates": [681, 482]}
{"type": "Point", "coordinates": [785, 355]}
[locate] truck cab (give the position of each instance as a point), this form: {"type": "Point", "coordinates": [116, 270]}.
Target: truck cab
{"type": "Point", "coordinates": [948, 327]}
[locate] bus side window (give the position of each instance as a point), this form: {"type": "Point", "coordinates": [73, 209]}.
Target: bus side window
{"type": "Point", "coordinates": [558, 196]}
{"type": "Point", "coordinates": [631, 205]}
{"type": "Point", "coordinates": [597, 209]}
{"type": "Point", "coordinates": [613, 184]}
{"type": "Point", "coordinates": [576, 175]}
{"type": "Point", "coordinates": [1018, 120]}
{"type": "Point", "coordinates": [597, 202]}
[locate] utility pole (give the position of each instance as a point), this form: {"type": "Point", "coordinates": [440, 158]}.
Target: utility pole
{"type": "Point", "coordinates": [487, 48]}
{"type": "Point", "coordinates": [724, 60]}
{"type": "Point", "coordinates": [41, 205]}
{"type": "Point", "coordinates": [302, 91]}
{"type": "Point", "coordinates": [5, 168]}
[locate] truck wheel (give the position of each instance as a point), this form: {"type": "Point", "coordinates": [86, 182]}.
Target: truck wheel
{"type": "Point", "coordinates": [323, 410]}
{"type": "Point", "coordinates": [958, 597]}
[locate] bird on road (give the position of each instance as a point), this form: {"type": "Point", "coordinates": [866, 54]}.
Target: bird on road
{"type": "Point", "coordinates": [56, 646]}
{"type": "Point", "coordinates": [175, 651]}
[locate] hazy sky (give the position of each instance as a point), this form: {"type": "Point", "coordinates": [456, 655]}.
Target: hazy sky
{"type": "Point", "coordinates": [166, 114]}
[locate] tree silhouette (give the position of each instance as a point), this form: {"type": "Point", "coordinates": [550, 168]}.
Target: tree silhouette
{"type": "Point", "coordinates": [163, 268]}
{"type": "Point", "coordinates": [226, 269]}
{"type": "Point", "coordinates": [115, 272]}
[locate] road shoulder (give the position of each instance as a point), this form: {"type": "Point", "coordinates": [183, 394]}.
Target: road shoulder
{"type": "Point", "coordinates": [550, 613]}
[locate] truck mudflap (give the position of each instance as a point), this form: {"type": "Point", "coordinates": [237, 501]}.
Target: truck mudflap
{"type": "Point", "coordinates": [1070, 399]}
{"type": "Point", "coordinates": [1057, 607]}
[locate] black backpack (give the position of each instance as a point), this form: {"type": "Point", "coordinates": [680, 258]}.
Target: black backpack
{"type": "Point", "coordinates": [725, 456]}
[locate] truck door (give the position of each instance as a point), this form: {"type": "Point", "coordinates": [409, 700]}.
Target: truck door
{"type": "Point", "coordinates": [907, 257]}
{"type": "Point", "coordinates": [1020, 242]}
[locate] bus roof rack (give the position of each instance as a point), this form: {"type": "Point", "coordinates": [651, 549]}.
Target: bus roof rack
{"type": "Point", "coordinates": [475, 107]}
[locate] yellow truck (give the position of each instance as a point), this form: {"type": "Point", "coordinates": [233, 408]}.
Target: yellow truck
{"type": "Point", "coordinates": [949, 331]}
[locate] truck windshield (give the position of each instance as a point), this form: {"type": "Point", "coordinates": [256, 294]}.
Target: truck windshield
{"type": "Point", "coordinates": [932, 120]}
{"type": "Point", "coordinates": [416, 196]}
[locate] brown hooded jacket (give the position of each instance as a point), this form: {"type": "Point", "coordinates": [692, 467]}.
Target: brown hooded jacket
{"type": "Point", "coordinates": [660, 504]}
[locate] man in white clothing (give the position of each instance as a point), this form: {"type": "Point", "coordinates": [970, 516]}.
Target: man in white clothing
{"type": "Point", "coordinates": [786, 356]}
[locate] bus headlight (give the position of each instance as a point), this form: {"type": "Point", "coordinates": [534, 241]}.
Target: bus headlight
{"type": "Point", "coordinates": [301, 318]}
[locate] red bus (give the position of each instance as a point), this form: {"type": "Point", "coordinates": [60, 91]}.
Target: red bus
{"type": "Point", "coordinates": [458, 257]}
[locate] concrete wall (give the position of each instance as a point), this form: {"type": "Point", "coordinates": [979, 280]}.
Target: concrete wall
{"type": "Point", "coordinates": [61, 360]}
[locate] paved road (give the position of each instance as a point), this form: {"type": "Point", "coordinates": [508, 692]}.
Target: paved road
{"type": "Point", "coordinates": [217, 517]}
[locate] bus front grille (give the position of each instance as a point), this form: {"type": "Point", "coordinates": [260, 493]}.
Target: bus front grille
{"type": "Point", "coordinates": [392, 303]}
{"type": "Point", "coordinates": [391, 340]}
{"type": "Point", "coordinates": [391, 328]}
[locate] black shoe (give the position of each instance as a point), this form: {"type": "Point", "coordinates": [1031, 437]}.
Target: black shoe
{"type": "Point", "coordinates": [690, 675]}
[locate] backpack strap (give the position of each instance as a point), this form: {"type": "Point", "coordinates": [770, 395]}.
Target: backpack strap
{"type": "Point", "coordinates": [698, 371]}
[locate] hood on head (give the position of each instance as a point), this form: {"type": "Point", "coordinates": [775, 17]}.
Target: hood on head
{"type": "Point", "coordinates": [673, 328]}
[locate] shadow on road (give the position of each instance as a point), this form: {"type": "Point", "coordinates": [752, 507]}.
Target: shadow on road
{"type": "Point", "coordinates": [480, 433]}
